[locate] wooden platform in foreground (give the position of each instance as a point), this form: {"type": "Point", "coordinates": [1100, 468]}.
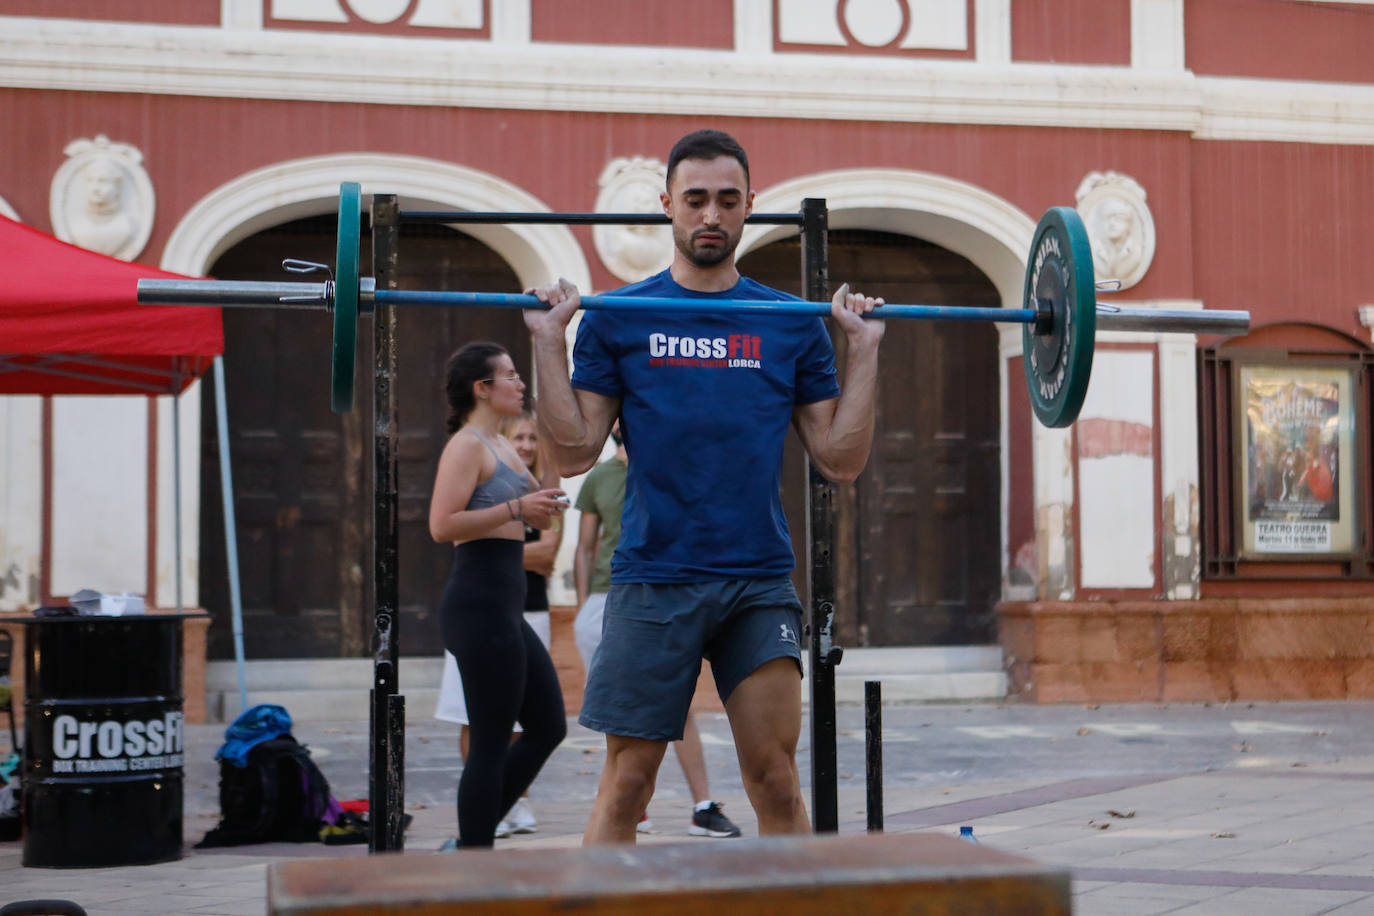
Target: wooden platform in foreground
{"type": "Point", "coordinates": [907, 873]}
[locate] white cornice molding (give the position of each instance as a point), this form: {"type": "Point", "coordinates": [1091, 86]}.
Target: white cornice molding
{"type": "Point", "coordinates": [1293, 112]}
{"type": "Point", "coordinates": [232, 63]}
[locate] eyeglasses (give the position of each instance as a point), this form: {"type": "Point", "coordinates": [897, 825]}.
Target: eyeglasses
{"type": "Point", "coordinates": [513, 377]}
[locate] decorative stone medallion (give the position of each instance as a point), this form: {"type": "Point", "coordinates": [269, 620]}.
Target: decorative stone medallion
{"type": "Point", "coordinates": [632, 185]}
{"type": "Point", "coordinates": [102, 198]}
{"type": "Point", "coordinates": [1119, 224]}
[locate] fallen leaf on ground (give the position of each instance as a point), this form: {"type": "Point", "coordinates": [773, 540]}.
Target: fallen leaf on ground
{"type": "Point", "coordinates": [1122, 814]}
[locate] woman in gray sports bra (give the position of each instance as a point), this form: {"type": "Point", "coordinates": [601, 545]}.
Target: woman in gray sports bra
{"type": "Point", "coordinates": [481, 503]}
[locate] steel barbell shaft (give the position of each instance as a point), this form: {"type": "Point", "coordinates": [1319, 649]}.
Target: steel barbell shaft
{"type": "Point", "coordinates": [244, 294]}
{"type": "Point", "coordinates": [1188, 321]}
{"type": "Point", "coordinates": [1109, 317]}
{"type": "Point", "coordinates": [696, 306]}
{"type": "Point", "coordinates": [297, 295]}
{"type": "Point", "coordinates": [234, 293]}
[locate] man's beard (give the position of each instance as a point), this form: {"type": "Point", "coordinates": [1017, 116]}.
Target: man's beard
{"type": "Point", "coordinates": [708, 257]}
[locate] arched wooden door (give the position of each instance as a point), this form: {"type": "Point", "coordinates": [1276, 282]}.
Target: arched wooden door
{"type": "Point", "coordinates": [302, 474]}
{"type": "Point", "coordinates": [922, 534]}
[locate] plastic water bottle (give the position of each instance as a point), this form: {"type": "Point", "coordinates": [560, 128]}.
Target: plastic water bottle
{"type": "Point", "coordinates": [966, 834]}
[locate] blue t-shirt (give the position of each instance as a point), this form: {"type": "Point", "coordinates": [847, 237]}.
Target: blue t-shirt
{"type": "Point", "coordinates": [706, 401]}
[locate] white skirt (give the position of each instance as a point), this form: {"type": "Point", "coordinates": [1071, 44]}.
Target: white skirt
{"type": "Point", "coordinates": [452, 707]}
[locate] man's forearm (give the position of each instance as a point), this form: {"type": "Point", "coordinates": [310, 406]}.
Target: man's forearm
{"type": "Point", "coordinates": [562, 428]}
{"type": "Point", "coordinates": [851, 430]}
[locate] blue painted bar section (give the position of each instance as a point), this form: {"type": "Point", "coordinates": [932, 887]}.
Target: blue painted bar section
{"type": "Point", "coordinates": [699, 306]}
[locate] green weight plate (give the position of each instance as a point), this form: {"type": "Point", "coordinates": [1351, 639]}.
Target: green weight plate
{"type": "Point", "coordinates": [346, 296]}
{"type": "Point", "coordinates": [1059, 276]}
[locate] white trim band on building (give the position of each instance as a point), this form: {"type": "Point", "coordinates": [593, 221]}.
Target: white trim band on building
{"type": "Point", "coordinates": [388, 69]}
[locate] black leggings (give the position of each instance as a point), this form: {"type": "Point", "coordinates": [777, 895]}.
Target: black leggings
{"type": "Point", "coordinates": [508, 677]}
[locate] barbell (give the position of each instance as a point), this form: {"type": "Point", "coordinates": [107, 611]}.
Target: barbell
{"type": "Point", "coordinates": [1059, 321]}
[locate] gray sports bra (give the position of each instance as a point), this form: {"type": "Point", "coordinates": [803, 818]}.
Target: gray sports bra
{"type": "Point", "coordinates": [502, 486]}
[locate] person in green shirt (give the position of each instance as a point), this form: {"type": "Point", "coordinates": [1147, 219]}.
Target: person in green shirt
{"type": "Point", "coordinates": [600, 500]}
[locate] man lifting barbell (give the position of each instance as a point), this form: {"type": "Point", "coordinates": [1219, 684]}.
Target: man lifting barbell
{"type": "Point", "coordinates": [702, 568]}
{"type": "Point", "coordinates": [1059, 315]}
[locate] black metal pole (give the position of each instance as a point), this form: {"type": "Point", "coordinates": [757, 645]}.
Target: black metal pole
{"type": "Point", "coordinates": [445, 217]}
{"type": "Point", "coordinates": [396, 772]}
{"type": "Point", "coordinates": [387, 784]}
{"type": "Point", "coordinates": [873, 753]}
{"type": "Point", "coordinates": [820, 531]}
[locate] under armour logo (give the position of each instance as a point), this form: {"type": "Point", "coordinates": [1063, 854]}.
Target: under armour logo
{"type": "Point", "coordinates": [787, 634]}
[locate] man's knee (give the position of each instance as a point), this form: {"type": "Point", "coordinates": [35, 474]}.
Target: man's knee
{"type": "Point", "coordinates": [632, 771]}
{"type": "Point", "coordinates": [629, 784]}
{"type": "Point", "coordinates": [772, 778]}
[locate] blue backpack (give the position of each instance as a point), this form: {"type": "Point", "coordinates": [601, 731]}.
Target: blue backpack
{"type": "Point", "coordinates": [270, 790]}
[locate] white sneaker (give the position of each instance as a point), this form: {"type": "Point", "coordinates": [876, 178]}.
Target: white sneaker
{"type": "Point", "coordinates": [521, 818]}
{"type": "Point", "coordinates": [502, 830]}
{"type": "Point", "coordinates": [645, 825]}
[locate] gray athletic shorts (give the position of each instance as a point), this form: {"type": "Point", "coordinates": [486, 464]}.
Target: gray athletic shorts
{"type": "Point", "coordinates": [654, 638]}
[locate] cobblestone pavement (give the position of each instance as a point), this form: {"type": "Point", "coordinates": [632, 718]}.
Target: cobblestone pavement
{"type": "Point", "coordinates": [1223, 808]}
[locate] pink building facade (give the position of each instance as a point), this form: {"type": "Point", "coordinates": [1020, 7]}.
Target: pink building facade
{"type": "Point", "coordinates": [1152, 551]}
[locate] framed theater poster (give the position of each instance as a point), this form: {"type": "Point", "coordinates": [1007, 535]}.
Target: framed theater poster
{"type": "Point", "coordinates": [1297, 453]}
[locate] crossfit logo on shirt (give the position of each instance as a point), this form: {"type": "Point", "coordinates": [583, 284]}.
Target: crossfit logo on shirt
{"type": "Point", "coordinates": [736, 351]}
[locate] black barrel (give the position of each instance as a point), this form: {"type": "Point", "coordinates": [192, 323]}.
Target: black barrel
{"type": "Point", "coordinates": [103, 740]}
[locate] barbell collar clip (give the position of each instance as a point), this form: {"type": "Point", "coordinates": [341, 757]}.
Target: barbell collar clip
{"type": "Point", "coordinates": [325, 299]}
{"type": "Point", "coordinates": [299, 266]}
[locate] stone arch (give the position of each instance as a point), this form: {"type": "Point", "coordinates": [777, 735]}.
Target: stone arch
{"type": "Point", "coordinates": [990, 231]}
{"type": "Point", "coordinates": [993, 233]}
{"type": "Point", "coordinates": [308, 187]}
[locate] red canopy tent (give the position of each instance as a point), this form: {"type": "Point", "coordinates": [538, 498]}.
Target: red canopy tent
{"type": "Point", "coordinates": [70, 324]}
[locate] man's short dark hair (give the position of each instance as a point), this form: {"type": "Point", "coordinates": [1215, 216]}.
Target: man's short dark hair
{"type": "Point", "coordinates": [707, 144]}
